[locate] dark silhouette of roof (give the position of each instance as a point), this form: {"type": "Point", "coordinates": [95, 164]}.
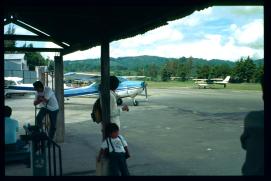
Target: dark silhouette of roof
{"type": "Point", "coordinates": [84, 24]}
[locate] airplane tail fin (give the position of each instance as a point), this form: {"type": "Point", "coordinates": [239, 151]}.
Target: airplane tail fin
{"type": "Point", "coordinates": [226, 80]}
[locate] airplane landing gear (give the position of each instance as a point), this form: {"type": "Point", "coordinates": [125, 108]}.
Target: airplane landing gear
{"type": "Point", "coordinates": [119, 101]}
{"type": "Point", "coordinates": [135, 102]}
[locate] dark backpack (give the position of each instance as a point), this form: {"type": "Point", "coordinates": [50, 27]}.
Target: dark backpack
{"type": "Point", "coordinates": [97, 112]}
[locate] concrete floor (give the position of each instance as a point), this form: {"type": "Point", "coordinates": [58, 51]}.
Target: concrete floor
{"type": "Point", "coordinates": [182, 131]}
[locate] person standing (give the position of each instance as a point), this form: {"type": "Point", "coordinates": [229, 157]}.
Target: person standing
{"type": "Point", "coordinates": [45, 97]}
{"type": "Point", "coordinates": [114, 110]}
{"type": "Point", "coordinates": [115, 148]}
{"type": "Point", "coordinates": [252, 140]}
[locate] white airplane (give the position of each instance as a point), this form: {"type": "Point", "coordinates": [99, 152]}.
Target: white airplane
{"type": "Point", "coordinates": [14, 85]}
{"type": "Point", "coordinates": [209, 82]}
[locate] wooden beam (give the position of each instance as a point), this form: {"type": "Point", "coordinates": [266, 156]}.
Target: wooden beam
{"type": "Point", "coordinates": [28, 38]}
{"type": "Point", "coordinates": [33, 30]}
{"type": "Point", "coordinates": [59, 91]}
{"type": "Point", "coordinates": [28, 49]}
{"type": "Point", "coordinates": [80, 47]}
{"type": "Point", "coordinates": [105, 75]}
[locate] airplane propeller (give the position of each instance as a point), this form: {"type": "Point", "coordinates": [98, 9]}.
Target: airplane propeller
{"type": "Point", "coordinates": [145, 88]}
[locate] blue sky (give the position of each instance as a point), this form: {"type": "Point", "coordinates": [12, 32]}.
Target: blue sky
{"type": "Point", "coordinates": [219, 32]}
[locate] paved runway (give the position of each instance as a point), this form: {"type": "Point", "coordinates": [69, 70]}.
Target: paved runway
{"type": "Point", "coordinates": [177, 132]}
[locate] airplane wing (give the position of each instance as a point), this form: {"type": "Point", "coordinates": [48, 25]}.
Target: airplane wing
{"type": "Point", "coordinates": [80, 91]}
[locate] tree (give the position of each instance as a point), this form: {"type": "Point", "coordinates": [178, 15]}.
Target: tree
{"type": "Point", "coordinates": [10, 43]}
{"type": "Point", "coordinates": [244, 70]}
{"type": "Point", "coordinates": [250, 69]}
{"type": "Point", "coordinates": [204, 71]}
{"type": "Point", "coordinates": [221, 71]}
{"type": "Point", "coordinates": [34, 59]}
{"type": "Point", "coordinates": [184, 69]}
{"type": "Point", "coordinates": [258, 74]}
{"type": "Point", "coordinates": [165, 74]}
{"type": "Point", "coordinates": [51, 65]}
{"type": "Point", "coordinates": [152, 71]}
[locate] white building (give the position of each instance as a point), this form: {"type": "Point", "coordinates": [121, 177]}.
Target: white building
{"type": "Point", "coordinates": [15, 62]}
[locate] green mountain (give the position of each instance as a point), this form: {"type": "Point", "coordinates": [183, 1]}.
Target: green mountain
{"type": "Point", "coordinates": [133, 63]}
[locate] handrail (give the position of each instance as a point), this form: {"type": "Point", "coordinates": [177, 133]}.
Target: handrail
{"type": "Point", "coordinates": [55, 145]}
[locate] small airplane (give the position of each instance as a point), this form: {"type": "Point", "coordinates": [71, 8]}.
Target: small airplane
{"type": "Point", "coordinates": [126, 88]}
{"type": "Point", "coordinates": [209, 82]}
{"type": "Point", "coordinates": [14, 85]}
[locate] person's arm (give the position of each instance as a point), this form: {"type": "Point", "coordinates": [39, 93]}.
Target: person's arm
{"type": "Point", "coordinates": [127, 151]}
{"type": "Point", "coordinates": [17, 126]}
{"type": "Point", "coordinates": [243, 140]}
{"type": "Point", "coordinates": [104, 146]}
{"type": "Point", "coordinates": [244, 135]}
{"type": "Point", "coordinates": [43, 99]}
{"type": "Point", "coordinates": [102, 152]}
{"type": "Point", "coordinates": [36, 100]}
{"type": "Point", "coordinates": [114, 110]}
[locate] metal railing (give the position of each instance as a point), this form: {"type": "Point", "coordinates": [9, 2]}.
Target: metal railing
{"type": "Point", "coordinates": [54, 145]}
{"type": "Point", "coordinates": [45, 129]}
{"type": "Point", "coordinates": [40, 142]}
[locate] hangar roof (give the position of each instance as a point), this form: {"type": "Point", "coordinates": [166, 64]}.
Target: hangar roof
{"type": "Point", "coordinates": [84, 24]}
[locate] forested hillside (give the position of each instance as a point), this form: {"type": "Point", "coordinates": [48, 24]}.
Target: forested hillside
{"type": "Point", "coordinates": [161, 68]}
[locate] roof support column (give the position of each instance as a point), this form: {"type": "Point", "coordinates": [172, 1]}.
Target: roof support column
{"type": "Point", "coordinates": [59, 91]}
{"type": "Point", "coordinates": [105, 75]}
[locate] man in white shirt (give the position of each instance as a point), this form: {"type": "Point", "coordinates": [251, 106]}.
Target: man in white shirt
{"type": "Point", "coordinates": [45, 97]}
{"type": "Point", "coordinates": [11, 127]}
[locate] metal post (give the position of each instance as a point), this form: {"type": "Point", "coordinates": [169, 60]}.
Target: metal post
{"type": "Point", "coordinates": [49, 158]}
{"type": "Point", "coordinates": [105, 75]}
{"type": "Point", "coordinates": [59, 91]}
{"type": "Point", "coordinates": [23, 77]}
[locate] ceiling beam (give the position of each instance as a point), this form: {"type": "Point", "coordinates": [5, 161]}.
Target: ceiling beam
{"type": "Point", "coordinates": [28, 49]}
{"type": "Point", "coordinates": [33, 30]}
{"type": "Point", "coordinates": [27, 38]}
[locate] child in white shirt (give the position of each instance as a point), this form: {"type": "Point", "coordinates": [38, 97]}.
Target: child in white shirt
{"type": "Point", "coordinates": [116, 148]}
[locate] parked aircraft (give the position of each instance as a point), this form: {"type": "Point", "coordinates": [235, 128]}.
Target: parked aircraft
{"type": "Point", "coordinates": [14, 85]}
{"type": "Point", "coordinates": [126, 88]}
{"type": "Point", "coordinates": [209, 82]}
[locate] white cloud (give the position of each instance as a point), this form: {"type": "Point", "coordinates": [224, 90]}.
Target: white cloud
{"type": "Point", "coordinates": [161, 34]}
{"type": "Point", "coordinates": [168, 41]}
{"type": "Point", "coordinates": [194, 19]}
{"type": "Point", "coordinates": [80, 55]}
{"type": "Point", "coordinates": [208, 48]}
{"type": "Point", "coordinates": [249, 33]}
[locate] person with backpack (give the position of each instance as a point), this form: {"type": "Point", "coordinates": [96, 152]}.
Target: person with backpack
{"type": "Point", "coordinates": [114, 109]}
{"type": "Point", "coordinates": [115, 148]}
